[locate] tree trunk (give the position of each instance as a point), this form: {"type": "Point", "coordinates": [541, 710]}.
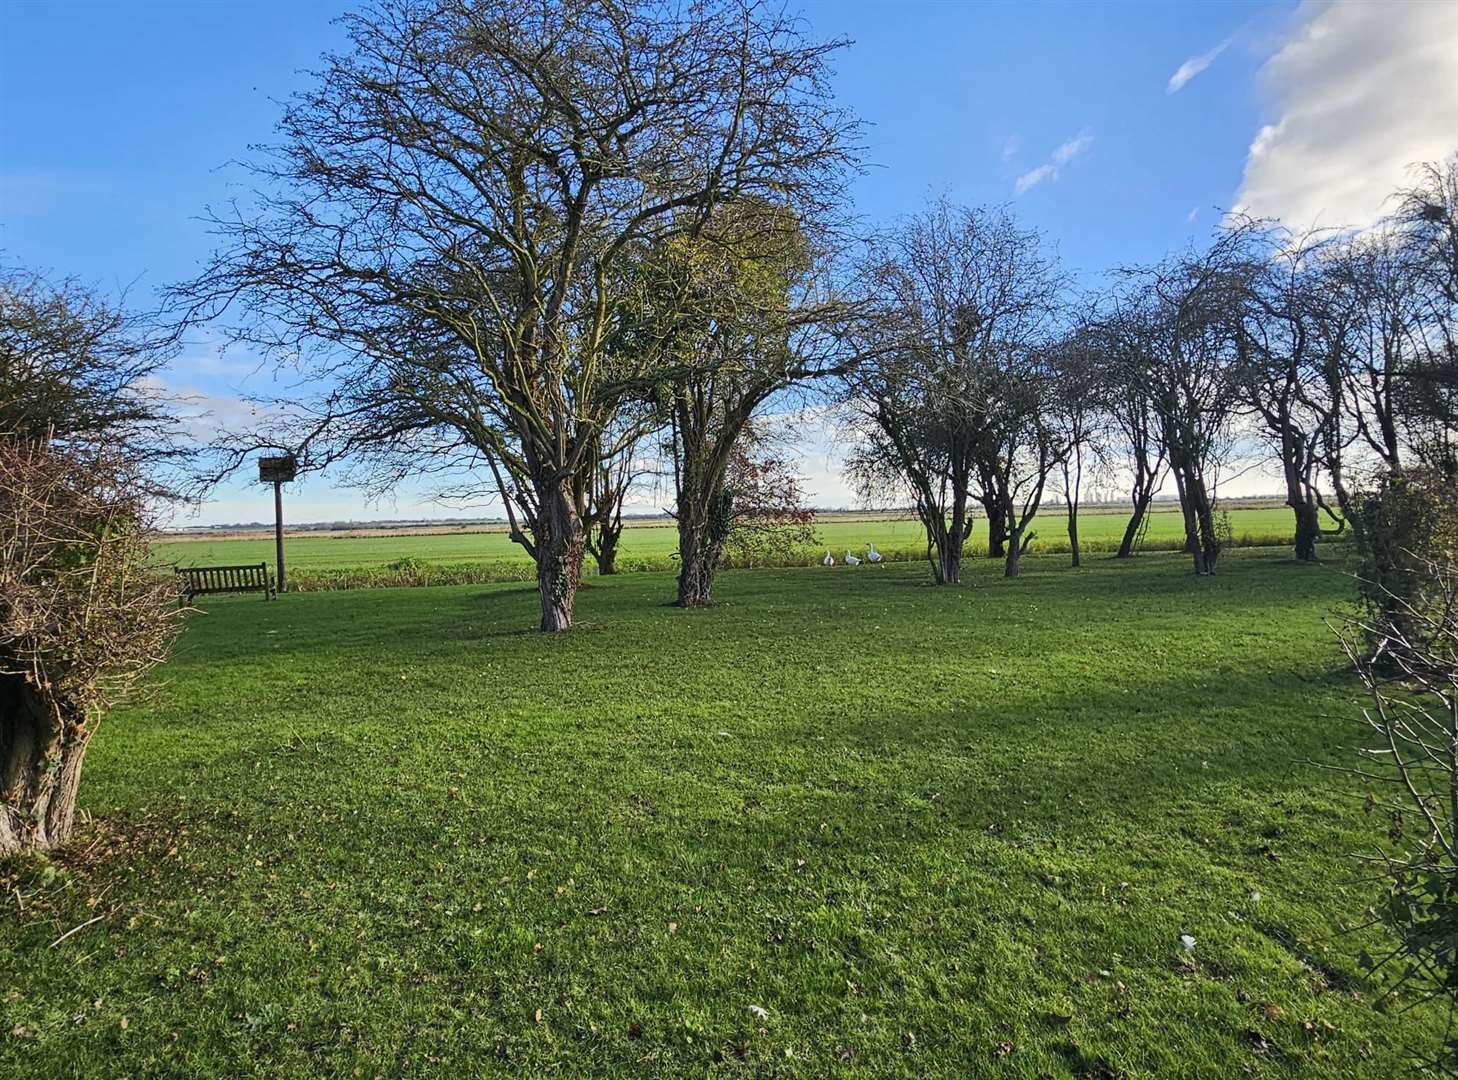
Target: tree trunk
{"type": "Point", "coordinates": [1013, 566]}
{"type": "Point", "coordinates": [1308, 529]}
{"type": "Point", "coordinates": [606, 549]}
{"type": "Point", "coordinates": [1073, 534]}
{"type": "Point", "coordinates": [560, 541]}
{"type": "Point", "coordinates": [699, 552]}
{"type": "Point", "coordinates": [949, 566]}
{"type": "Point", "coordinates": [1132, 529]}
{"type": "Point", "coordinates": [996, 527]}
{"type": "Point", "coordinates": [946, 544]}
{"type": "Point", "coordinates": [1201, 541]}
{"type": "Point", "coordinates": [40, 770]}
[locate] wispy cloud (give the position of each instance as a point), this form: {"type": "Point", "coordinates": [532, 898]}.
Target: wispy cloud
{"type": "Point", "coordinates": [1063, 155]}
{"type": "Point", "coordinates": [1194, 65]}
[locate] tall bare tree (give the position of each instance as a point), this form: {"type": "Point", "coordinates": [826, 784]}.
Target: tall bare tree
{"type": "Point", "coordinates": [1182, 318]}
{"type": "Point", "coordinates": [966, 301]}
{"type": "Point", "coordinates": [1282, 372]}
{"type": "Point", "coordinates": [1135, 423]}
{"type": "Point", "coordinates": [1078, 413]}
{"type": "Point", "coordinates": [452, 209]}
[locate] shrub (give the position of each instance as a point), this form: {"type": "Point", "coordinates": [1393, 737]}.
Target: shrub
{"type": "Point", "coordinates": [83, 614]}
{"type": "Point", "coordinates": [1405, 651]}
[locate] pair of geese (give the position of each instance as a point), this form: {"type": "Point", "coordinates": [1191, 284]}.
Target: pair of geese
{"type": "Point", "coordinates": [872, 556]}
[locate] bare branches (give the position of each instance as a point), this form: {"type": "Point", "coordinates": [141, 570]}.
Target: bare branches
{"type": "Point", "coordinates": [82, 371]}
{"type": "Point", "coordinates": [1406, 654]}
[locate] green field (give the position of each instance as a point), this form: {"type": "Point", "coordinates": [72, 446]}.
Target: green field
{"type": "Point", "coordinates": [649, 547]}
{"type": "Point", "coordinates": [842, 824]}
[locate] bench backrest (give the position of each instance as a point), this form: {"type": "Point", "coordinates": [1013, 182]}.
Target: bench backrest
{"type": "Point", "coordinates": [213, 579]}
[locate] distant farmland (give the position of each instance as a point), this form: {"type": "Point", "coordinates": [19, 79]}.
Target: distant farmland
{"type": "Point", "coordinates": [358, 557]}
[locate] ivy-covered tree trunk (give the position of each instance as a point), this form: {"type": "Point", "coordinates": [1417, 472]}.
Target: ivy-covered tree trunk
{"type": "Point", "coordinates": [40, 768]}
{"type": "Point", "coordinates": [560, 543]}
{"type": "Point", "coordinates": [1308, 528]}
{"type": "Point", "coordinates": [700, 553]}
{"type": "Point", "coordinates": [704, 520]}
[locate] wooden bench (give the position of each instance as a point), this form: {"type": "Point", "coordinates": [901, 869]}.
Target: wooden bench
{"type": "Point", "coordinates": [211, 580]}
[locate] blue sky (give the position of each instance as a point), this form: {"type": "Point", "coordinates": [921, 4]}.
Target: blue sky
{"type": "Point", "coordinates": [118, 123]}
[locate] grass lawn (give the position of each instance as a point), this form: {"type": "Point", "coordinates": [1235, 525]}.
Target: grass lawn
{"type": "Point", "coordinates": [844, 824]}
{"type": "Point", "coordinates": [652, 544]}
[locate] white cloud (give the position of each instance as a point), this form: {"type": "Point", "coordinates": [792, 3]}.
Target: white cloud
{"type": "Point", "coordinates": [1361, 92]}
{"type": "Point", "coordinates": [1193, 66]}
{"type": "Point", "coordinates": [1034, 177]}
{"type": "Point", "coordinates": [1193, 214]}
{"type": "Point", "coordinates": [1071, 150]}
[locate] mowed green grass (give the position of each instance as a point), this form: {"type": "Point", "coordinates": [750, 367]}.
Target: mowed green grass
{"type": "Point", "coordinates": [842, 824]}
{"type": "Point", "coordinates": [306, 553]}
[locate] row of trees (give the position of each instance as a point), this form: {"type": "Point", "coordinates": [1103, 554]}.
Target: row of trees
{"type": "Point", "coordinates": [1334, 357]}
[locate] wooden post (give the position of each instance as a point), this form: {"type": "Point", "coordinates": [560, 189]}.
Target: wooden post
{"type": "Point", "coordinates": [278, 529]}
{"type": "Point", "coordinates": [278, 471]}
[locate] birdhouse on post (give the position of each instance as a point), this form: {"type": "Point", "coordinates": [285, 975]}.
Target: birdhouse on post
{"type": "Point", "coordinates": [278, 471]}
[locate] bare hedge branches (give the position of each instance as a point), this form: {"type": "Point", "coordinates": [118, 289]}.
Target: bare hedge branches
{"type": "Point", "coordinates": [1406, 654]}
{"type": "Point", "coordinates": [83, 614]}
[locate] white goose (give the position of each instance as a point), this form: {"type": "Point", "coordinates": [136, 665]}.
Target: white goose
{"type": "Point", "coordinates": [829, 560]}
{"type": "Point", "coordinates": [851, 560]}
{"type": "Point", "coordinates": [872, 555]}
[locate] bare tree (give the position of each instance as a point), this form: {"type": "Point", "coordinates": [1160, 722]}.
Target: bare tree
{"type": "Point", "coordinates": [1282, 372]}
{"type": "Point", "coordinates": [957, 382]}
{"type": "Point", "coordinates": [453, 208]}
{"type": "Point", "coordinates": [1136, 425]}
{"type": "Point", "coordinates": [1427, 212]}
{"type": "Point", "coordinates": [1022, 444]}
{"type": "Point", "coordinates": [617, 468]}
{"type": "Point", "coordinates": [1427, 220]}
{"type": "Point", "coordinates": [1181, 319]}
{"type": "Point", "coordinates": [1079, 414]}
